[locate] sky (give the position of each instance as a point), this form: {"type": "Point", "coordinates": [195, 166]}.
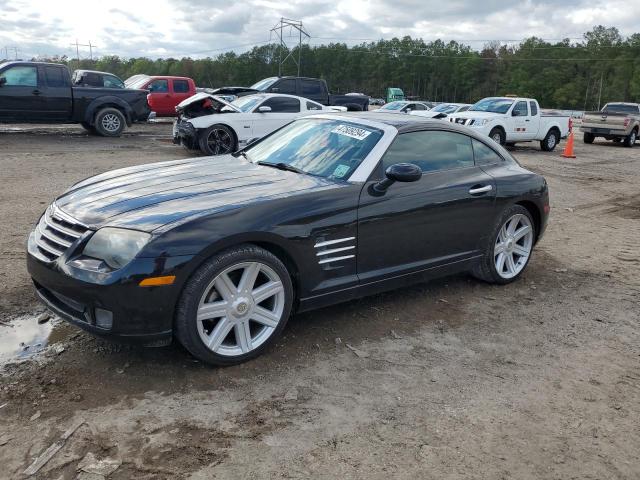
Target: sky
{"type": "Point", "coordinates": [200, 28]}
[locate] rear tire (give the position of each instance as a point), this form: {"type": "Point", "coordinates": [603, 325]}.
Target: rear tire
{"type": "Point", "coordinates": [588, 138]}
{"type": "Point", "coordinates": [109, 122]}
{"type": "Point", "coordinates": [630, 140]}
{"type": "Point", "coordinates": [550, 141]}
{"type": "Point", "coordinates": [497, 135]}
{"type": "Point", "coordinates": [513, 237]}
{"type": "Point", "coordinates": [234, 306]}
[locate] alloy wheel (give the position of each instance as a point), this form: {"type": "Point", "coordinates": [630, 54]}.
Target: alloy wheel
{"type": "Point", "coordinates": [513, 246]}
{"type": "Point", "coordinates": [220, 141]}
{"type": "Point", "coordinates": [110, 122]}
{"type": "Point", "coordinates": [240, 309]}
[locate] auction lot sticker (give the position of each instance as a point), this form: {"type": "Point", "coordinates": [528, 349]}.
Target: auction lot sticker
{"type": "Point", "coordinates": [353, 132]}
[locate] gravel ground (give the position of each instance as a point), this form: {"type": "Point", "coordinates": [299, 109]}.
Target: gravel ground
{"type": "Point", "coordinates": [539, 379]}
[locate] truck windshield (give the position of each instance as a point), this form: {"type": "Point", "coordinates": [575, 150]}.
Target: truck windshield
{"type": "Point", "coordinates": [326, 148]}
{"type": "Point", "coordinates": [493, 105]}
{"type": "Point", "coordinates": [264, 83]}
{"type": "Point", "coordinates": [620, 108]}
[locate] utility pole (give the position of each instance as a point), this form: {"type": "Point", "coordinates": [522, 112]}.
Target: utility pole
{"type": "Point", "coordinates": [6, 52]}
{"type": "Point", "coordinates": [600, 93]}
{"type": "Point", "coordinates": [278, 30]}
{"type": "Point", "coordinates": [78, 45]}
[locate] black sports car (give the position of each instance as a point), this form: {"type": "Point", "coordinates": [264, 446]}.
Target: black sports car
{"type": "Point", "coordinates": [218, 252]}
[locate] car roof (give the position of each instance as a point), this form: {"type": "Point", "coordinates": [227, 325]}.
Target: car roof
{"type": "Point", "coordinates": [26, 62]}
{"type": "Point", "coordinates": [96, 71]}
{"type": "Point", "coordinates": [271, 95]}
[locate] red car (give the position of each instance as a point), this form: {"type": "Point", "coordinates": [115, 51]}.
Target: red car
{"type": "Point", "coordinates": [164, 92]}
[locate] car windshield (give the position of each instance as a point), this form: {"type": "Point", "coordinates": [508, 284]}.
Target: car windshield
{"type": "Point", "coordinates": [264, 83]}
{"type": "Point", "coordinates": [393, 106]}
{"type": "Point", "coordinates": [246, 104]}
{"type": "Point", "coordinates": [620, 108]}
{"type": "Point", "coordinates": [327, 148]}
{"type": "Point", "coordinates": [444, 108]}
{"type": "Point", "coordinates": [493, 105]}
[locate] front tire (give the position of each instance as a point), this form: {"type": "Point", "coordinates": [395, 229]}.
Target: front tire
{"type": "Point", "coordinates": [217, 140]}
{"type": "Point", "coordinates": [550, 141]}
{"type": "Point", "coordinates": [109, 122]}
{"type": "Point", "coordinates": [630, 140]}
{"type": "Point", "coordinates": [509, 249]}
{"type": "Point", "coordinates": [588, 138]}
{"type": "Point", "coordinates": [497, 135]}
{"type": "Point", "coordinates": [234, 306]}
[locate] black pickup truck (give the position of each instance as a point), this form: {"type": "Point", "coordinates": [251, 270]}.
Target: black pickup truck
{"type": "Point", "coordinates": [312, 88]}
{"type": "Point", "coordinates": [37, 92]}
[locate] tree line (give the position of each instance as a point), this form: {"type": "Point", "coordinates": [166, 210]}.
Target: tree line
{"type": "Point", "coordinates": [602, 67]}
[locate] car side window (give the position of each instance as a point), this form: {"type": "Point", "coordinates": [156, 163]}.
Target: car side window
{"type": "Point", "coordinates": [112, 82]}
{"type": "Point", "coordinates": [159, 86]}
{"type": "Point", "coordinates": [430, 150]}
{"type": "Point", "coordinates": [20, 76]}
{"type": "Point", "coordinates": [313, 106]}
{"type": "Point", "coordinates": [180, 86]}
{"type": "Point", "coordinates": [55, 77]}
{"type": "Point", "coordinates": [534, 108]}
{"type": "Point", "coordinates": [282, 105]}
{"type": "Point", "coordinates": [484, 155]}
{"type": "Point", "coordinates": [520, 110]}
{"type": "Point", "coordinates": [419, 106]}
{"type": "Point", "coordinates": [286, 86]}
{"type": "Point", "coordinates": [309, 87]}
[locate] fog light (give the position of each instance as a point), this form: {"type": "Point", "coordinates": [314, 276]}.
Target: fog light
{"type": "Point", "coordinates": [104, 319]}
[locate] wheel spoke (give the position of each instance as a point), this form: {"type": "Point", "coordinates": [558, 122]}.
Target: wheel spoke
{"type": "Point", "coordinates": [521, 232]}
{"type": "Point", "coordinates": [513, 224]}
{"type": "Point", "coordinates": [500, 262]}
{"type": "Point", "coordinates": [219, 333]}
{"type": "Point", "coordinates": [212, 310]}
{"type": "Point", "coordinates": [499, 248]}
{"type": "Point", "coordinates": [225, 287]}
{"type": "Point", "coordinates": [520, 250]}
{"type": "Point", "coordinates": [511, 266]}
{"type": "Point", "coordinates": [249, 276]}
{"type": "Point", "coordinates": [503, 234]}
{"type": "Point", "coordinates": [265, 317]}
{"type": "Point", "coordinates": [243, 336]}
{"type": "Point", "coordinates": [265, 291]}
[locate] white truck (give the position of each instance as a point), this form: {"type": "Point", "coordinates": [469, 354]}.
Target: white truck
{"type": "Point", "coordinates": [510, 120]}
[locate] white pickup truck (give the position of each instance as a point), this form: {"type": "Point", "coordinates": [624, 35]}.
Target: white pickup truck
{"type": "Point", "coordinates": [509, 120]}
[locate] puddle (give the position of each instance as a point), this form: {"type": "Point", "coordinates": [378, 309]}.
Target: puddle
{"type": "Point", "coordinates": [23, 337]}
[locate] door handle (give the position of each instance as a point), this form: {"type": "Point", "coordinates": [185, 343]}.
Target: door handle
{"type": "Point", "coordinates": [479, 190]}
{"type": "Point", "coordinates": [527, 120]}
{"type": "Point", "coordinates": [36, 92]}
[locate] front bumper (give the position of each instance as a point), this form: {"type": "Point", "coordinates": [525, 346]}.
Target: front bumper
{"type": "Point", "coordinates": [185, 133]}
{"type": "Point", "coordinates": [142, 315]}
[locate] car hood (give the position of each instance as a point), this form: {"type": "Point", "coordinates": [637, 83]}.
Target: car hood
{"type": "Point", "coordinates": [472, 114]}
{"type": "Point", "coordinates": [198, 97]}
{"type": "Point", "coordinates": [161, 195]}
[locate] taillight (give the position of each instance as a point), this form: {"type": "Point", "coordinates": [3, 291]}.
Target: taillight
{"type": "Point", "coordinates": [570, 124]}
{"type": "Point", "coordinates": [626, 122]}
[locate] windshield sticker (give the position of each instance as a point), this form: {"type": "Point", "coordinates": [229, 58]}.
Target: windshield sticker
{"type": "Point", "coordinates": [353, 132]}
{"type": "Point", "coordinates": [340, 171]}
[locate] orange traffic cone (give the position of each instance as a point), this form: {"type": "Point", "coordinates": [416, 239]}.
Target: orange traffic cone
{"type": "Point", "coordinates": [568, 148]}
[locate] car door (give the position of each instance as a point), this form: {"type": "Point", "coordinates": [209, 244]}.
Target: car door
{"type": "Point", "coordinates": [441, 219]}
{"type": "Point", "coordinates": [180, 88]}
{"type": "Point", "coordinates": [20, 94]}
{"type": "Point", "coordinates": [283, 110]}
{"type": "Point", "coordinates": [533, 122]}
{"type": "Point", "coordinates": [159, 97]}
{"type": "Point", "coordinates": [520, 122]}
{"type": "Point", "coordinates": [56, 90]}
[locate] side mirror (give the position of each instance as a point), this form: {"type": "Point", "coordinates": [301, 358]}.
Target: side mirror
{"type": "Point", "coordinates": [3, 80]}
{"type": "Point", "coordinates": [264, 109]}
{"type": "Point", "coordinates": [516, 113]}
{"type": "Point", "coordinates": [400, 172]}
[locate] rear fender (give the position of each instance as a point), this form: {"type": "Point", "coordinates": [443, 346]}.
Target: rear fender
{"type": "Point", "coordinates": [104, 102]}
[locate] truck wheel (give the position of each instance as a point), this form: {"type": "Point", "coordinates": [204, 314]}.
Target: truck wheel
{"type": "Point", "coordinates": [616, 140]}
{"type": "Point", "coordinates": [217, 140]}
{"type": "Point", "coordinates": [497, 135]}
{"type": "Point", "coordinates": [110, 122]}
{"type": "Point", "coordinates": [352, 107]}
{"type": "Point", "coordinates": [588, 138]}
{"type": "Point", "coordinates": [548, 144]}
{"type": "Point", "coordinates": [630, 140]}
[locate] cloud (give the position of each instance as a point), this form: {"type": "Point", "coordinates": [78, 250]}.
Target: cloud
{"type": "Point", "coordinates": [206, 27]}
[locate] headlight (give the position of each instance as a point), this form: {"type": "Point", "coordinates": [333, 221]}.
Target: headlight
{"type": "Point", "coordinates": [115, 246]}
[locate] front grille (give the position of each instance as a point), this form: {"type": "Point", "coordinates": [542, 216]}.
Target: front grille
{"type": "Point", "coordinates": [55, 233]}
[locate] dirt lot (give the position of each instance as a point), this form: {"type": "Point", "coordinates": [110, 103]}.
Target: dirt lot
{"type": "Point", "coordinates": [455, 379]}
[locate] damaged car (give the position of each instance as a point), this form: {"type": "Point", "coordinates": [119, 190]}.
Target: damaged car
{"type": "Point", "coordinates": [215, 126]}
